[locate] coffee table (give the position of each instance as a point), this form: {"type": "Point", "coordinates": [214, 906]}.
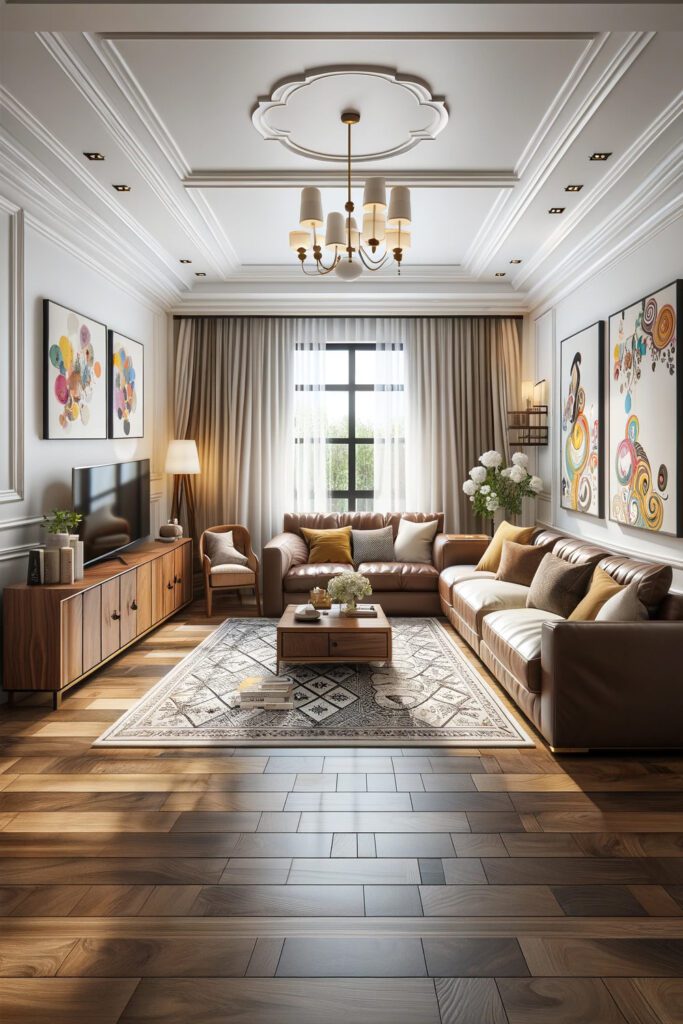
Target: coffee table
{"type": "Point", "coordinates": [332, 638]}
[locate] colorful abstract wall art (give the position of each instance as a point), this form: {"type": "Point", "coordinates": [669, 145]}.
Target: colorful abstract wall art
{"type": "Point", "coordinates": [646, 414]}
{"type": "Point", "coordinates": [127, 382]}
{"type": "Point", "coordinates": [582, 418]}
{"type": "Point", "coordinates": [75, 375]}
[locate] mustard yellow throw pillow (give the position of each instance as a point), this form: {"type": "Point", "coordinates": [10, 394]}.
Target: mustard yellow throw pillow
{"type": "Point", "coordinates": [490, 560]}
{"type": "Point", "coordinates": [328, 545]}
{"type": "Point", "coordinates": [601, 588]}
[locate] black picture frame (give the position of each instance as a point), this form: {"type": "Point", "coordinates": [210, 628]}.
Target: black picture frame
{"type": "Point", "coordinates": [112, 414]}
{"type": "Point", "coordinates": [676, 486]}
{"type": "Point", "coordinates": [63, 431]}
{"type": "Point", "coordinates": [599, 327]}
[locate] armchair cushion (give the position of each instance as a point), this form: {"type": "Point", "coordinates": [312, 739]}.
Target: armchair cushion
{"type": "Point", "coordinates": [220, 549]}
{"type": "Point", "coordinates": [231, 575]}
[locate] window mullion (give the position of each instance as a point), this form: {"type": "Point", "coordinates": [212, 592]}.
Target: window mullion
{"type": "Point", "coordinates": [352, 430]}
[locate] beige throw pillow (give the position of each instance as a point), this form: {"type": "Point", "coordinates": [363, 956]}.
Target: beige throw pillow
{"type": "Point", "coordinates": [558, 586]}
{"type": "Point", "coordinates": [414, 541]}
{"type": "Point", "coordinates": [625, 606]}
{"type": "Point", "coordinates": [221, 549]}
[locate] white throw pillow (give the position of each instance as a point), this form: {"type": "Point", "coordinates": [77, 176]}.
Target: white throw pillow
{"type": "Point", "coordinates": [221, 549]}
{"type": "Point", "coordinates": [623, 607]}
{"type": "Point", "coordinates": [414, 541]}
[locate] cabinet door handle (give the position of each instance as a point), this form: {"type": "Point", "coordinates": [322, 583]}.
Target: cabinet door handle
{"type": "Point", "coordinates": [134, 606]}
{"type": "Point", "coordinates": [179, 579]}
{"type": "Point", "coordinates": [115, 615]}
{"type": "Point", "coordinates": [169, 585]}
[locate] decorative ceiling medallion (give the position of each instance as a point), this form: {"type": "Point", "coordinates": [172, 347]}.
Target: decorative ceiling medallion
{"type": "Point", "coordinates": [399, 111]}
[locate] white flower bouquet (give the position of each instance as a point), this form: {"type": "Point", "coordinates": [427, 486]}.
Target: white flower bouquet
{"type": "Point", "coordinates": [491, 485]}
{"type": "Point", "coordinates": [348, 588]}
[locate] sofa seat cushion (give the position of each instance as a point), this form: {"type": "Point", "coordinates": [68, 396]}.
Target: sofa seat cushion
{"type": "Point", "coordinates": [473, 599]}
{"type": "Point", "coordinates": [514, 637]}
{"type": "Point", "coordinates": [400, 575]}
{"type": "Point", "coordinates": [456, 574]}
{"type": "Point", "coordinates": [302, 578]}
{"type": "Point", "coordinates": [229, 575]}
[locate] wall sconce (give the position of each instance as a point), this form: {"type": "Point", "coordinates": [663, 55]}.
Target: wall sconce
{"type": "Point", "coordinates": [541, 394]}
{"type": "Point", "coordinates": [527, 393]}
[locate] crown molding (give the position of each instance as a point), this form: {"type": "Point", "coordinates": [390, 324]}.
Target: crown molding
{"type": "Point", "coordinates": [337, 303]}
{"type": "Point", "coordinates": [43, 135]}
{"type": "Point", "coordinates": [636, 150]}
{"type": "Point", "coordinates": [14, 367]}
{"type": "Point", "coordinates": [624, 230]}
{"type": "Point", "coordinates": [135, 150]}
{"type": "Point", "coordinates": [335, 178]}
{"type": "Point", "coordinates": [63, 218]}
{"type": "Point", "coordinates": [497, 227]}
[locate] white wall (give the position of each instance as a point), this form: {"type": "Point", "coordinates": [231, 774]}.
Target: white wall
{"type": "Point", "coordinates": [41, 470]}
{"type": "Point", "coordinates": [653, 264]}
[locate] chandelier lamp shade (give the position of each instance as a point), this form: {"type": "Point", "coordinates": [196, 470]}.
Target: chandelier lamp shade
{"type": "Point", "coordinates": [342, 246]}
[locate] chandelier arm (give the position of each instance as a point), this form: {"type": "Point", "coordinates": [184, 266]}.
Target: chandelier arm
{"type": "Point", "coordinates": [371, 263]}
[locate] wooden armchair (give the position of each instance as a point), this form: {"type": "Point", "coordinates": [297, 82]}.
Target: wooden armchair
{"type": "Point", "coordinates": [230, 577]}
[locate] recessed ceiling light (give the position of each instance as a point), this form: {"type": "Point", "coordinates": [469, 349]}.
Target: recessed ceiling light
{"type": "Point", "coordinates": [515, 261]}
{"type": "Point", "coordinates": [122, 188]}
{"type": "Point", "coordinates": [500, 273]}
{"type": "Point", "coordinates": [185, 261]}
{"type": "Point", "coordinates": [573, 188]}
{"type": "Point", "coordinates": [93, 156]}
{"type": "Point", "coordinates": [600, 156]}
{"type": "Point", "coordinates": [556, 209]}
{"type": "Point", "coordinates": [199, 273]}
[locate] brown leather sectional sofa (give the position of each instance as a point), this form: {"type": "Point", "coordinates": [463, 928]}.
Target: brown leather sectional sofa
{"type": "Point", "coordinates": [401, 588]}
{"type": "Point", "coordinates": [583, 684]}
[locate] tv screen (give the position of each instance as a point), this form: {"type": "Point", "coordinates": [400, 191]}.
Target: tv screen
{"type": "Point", "coordinates": [114, 503]}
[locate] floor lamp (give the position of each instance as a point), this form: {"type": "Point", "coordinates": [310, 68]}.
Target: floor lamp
{"type": "Point", "coordinates": [182, 460]}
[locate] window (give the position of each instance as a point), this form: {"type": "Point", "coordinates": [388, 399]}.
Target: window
{"type": "Point", "coordinates": [348, 420]}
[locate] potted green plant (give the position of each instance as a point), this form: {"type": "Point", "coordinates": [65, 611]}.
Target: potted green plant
{"type": "Point", "coordinates": [60, 523]}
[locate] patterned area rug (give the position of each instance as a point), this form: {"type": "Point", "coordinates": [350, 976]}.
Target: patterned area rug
{"type": "Point", "coordinates": [430, 694]}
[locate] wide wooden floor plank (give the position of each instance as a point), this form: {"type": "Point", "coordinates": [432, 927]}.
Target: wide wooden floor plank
{"type": "Point", "coordinates": [65, 1000]}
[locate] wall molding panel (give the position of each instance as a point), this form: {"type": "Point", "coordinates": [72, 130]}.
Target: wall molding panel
{"type": "Point", "coordinates": [14, 491]}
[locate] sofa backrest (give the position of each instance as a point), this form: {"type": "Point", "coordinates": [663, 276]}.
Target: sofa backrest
{"type": "Point", "coordinates": [294, 521]}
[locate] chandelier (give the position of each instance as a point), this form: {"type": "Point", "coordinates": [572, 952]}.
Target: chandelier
{"type": "Point", "coordinates": [384, 234]}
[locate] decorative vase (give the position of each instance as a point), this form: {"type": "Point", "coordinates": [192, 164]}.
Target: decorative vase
{"type": "Point", "coordinates": [351, 605]}
{"type": "Point", "coordinates": [57, 540]}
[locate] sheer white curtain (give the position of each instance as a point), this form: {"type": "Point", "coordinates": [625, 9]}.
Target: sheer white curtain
{"type": "Point", "coordinates": [310, 456]}
{"type": "Point", "coordinates": [390, 427]}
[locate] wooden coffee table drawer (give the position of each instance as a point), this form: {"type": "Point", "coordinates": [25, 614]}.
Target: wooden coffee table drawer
{"type": "Point", "coordinates": [359, 645]}
{"type": "Point", "coordinates": [304, 645]}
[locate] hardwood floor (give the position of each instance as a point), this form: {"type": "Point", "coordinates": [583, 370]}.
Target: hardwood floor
{"type": "Point", "coordinates": [269, 886]}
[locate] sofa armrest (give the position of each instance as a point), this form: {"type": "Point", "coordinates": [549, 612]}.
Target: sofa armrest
{"type": "Point", "coordinates": [612, 684]}
{"type": "Point", "coordinates": [458, 549]}
{"type": "Point", "coordinates": [279, 555]}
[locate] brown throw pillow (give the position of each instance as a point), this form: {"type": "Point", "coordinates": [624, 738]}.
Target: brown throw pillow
{"type": "Point", "coordinates": [326, 546]}
{"type": "Point", "coordinates": [519, 562]}
{"type": "Point", "coordinates": [490, 560]}
{"type": "Point", "coordinates": [602, 587]}
{"type": "Point", "coordinates": [558, 586]}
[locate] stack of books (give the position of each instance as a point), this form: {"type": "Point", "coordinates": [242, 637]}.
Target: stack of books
{"type": "Point", "coordinates": [269, 693]}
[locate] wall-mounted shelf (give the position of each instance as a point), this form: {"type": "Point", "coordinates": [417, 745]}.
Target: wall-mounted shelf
{"type": "Point", "coordinates": [529, 427]}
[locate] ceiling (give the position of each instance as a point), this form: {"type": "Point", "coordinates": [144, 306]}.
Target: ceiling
{"type": "Point", "coordinates": [488, 112]}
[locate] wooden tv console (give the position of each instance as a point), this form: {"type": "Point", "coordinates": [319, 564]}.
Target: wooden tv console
{"type": "Point", "coordinates": [56, 635]}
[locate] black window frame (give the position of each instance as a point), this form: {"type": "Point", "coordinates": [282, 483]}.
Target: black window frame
{"type": "Point", "coordinates": [352, 494]}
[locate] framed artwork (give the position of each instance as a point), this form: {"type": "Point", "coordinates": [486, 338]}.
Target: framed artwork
{"type": "Point", "coordinates": [126, 387]}
{"type": "Point", "coordinates": [646, 414]}
{"type": "Point", "coordinates": [74, 376]}
{"type": "Point", "coordinates": [582, 423]}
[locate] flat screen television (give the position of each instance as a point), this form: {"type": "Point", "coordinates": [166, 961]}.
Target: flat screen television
{"type": "Point", "coordinates": [114, 503]}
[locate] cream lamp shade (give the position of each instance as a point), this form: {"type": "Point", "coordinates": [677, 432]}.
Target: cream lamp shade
{"type": "Point", "coordinates": [399, 207]}
{"type": "Point", "coordinates": [182, 458]}
{"type": "Point", "coordinates": [397, 239]}
{"type": "Point", "coordinates": [375, 195]}
{"type": "Point", "coordinates": [374, 226]}
{"type": "Point", "coordinates": [355, 235]}
{"type": "Point", "coordinates": [311, 214]}
{"type": "Point", "coordinates": [335, 233]}
{"type": "Point", "coordinates": [299, 240]}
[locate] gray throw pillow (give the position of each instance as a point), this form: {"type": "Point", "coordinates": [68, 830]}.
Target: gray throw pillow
{"type": "Point", "coordinates": [625, 606]}
{"type": "Point", "coordinates": [373, 545]}
{"type": "Point", "coordinates": [221, 549]}
{"type": "Point", "coordinates": [558, 586]}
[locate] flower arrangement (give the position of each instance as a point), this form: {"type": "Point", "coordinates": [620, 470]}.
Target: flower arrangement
{"type": "Point", "coordinates": [492, 486]}
{"type": "Point", "coordinates": [348, 588]}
